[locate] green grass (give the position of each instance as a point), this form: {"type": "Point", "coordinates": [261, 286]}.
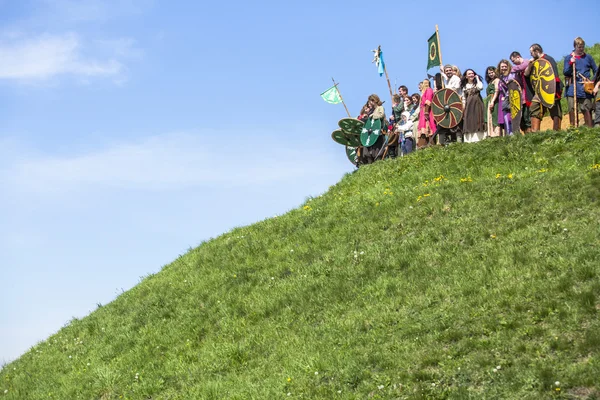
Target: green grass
{"type": "Point", "coordinates": [466, 272]}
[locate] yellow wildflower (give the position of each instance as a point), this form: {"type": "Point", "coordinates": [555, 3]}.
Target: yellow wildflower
{"type": "Point", "coordinates": [510, 176]}
{"type": "Point", "coordinates": [289, 379]}
{"type": "Point", "coordinates": [426, 195]}
{"type": "Point", "coordinates": [307, 208]}
{"type": "Point", "coordinates": [492, 236]}
{"type": "Point", "coordinates": [498, 176]}
{"type": "Point", "coordinates": [542, 170]}
{"type": "Point", "coordinates": [596, 166]}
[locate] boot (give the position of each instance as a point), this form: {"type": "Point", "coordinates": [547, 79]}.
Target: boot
{"type": "Point", "coordinates": [587, 116]}
{"type": "Point", "coordinates": [556, 123]}
{"type": "Point", "coordinates": [535, 124]}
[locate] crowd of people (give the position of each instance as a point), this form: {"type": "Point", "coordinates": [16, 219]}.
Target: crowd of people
{"type": "Point", "coordinates": [487, 115]}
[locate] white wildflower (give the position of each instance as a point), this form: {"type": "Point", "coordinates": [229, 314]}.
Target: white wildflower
{"type": "Point", "coordinates": [557, 383]}
{"type": "Point", "coordinates": [380, 387]}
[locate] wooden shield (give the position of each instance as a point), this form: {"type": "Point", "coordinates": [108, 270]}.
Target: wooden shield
{"type": "Point", "coordinates": [370, 132]}
{"type": "Point", "coordinates": [447, 108]}
{"type": "Point", "coordinates": [516, 103]}
{"type": "Point", "coordinates": [340, 137]}
{"type": "Point", "coordinates": [351, 125]}
{"type": "Point", "coordinates": [352, 154]}
{"type": "Point", "coordinates": [543, 81]}
{"type": "Point", "coordinates": [343, 138]}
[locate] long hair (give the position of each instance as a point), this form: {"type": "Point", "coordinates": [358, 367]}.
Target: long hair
{"type": "Point", "coordinates": [438, 80]}
{"type": "Point", "coordinates": [487, 77]}
{"type": "Point", "coordinates": [464, 80]}
{"type": "Point", "coordinates": [375, 99]}
{"type": "Point", "coordinates": [498, 68]}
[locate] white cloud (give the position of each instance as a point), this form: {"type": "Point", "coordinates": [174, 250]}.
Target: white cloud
{"type": "Point", "coordinates": [164, 162]}
{"type": "Point", "coordinates": [45, 56]}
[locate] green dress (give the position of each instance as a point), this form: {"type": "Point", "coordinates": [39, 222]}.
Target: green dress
{"type": "Point", "coordinates": [491, 89]}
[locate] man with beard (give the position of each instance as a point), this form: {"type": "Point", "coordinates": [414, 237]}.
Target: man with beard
{"type": "Point", "coordinates": [537, 109]}
{"type": "Point", "coordinates": [451, 81]}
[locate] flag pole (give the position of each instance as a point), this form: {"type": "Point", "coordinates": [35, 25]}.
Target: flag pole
{"type": "Point", "coordinates": [437, 31]}
{"type": "Point", "coordinates": [341, 98]}
{"type": "Point", "coordinates": [387, 78]}
{"type": "Point", "coordinates": [437, 35]}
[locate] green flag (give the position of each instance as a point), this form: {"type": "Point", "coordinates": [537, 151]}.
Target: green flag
{"type": "Point", "coordinates": [433, 59]}
{"type": "Point", "coordinates": [332, 95]}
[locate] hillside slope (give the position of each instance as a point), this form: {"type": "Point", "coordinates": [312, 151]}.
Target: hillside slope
{"type": "Point", "coordinates": [462, 272]}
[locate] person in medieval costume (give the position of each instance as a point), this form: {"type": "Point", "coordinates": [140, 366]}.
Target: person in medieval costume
{"type": "Point", "coordinates": [584, 66]}
{"type": "Point", "coordinates": [491, 113]}
{"type": "Point", "coordinates": [413, 111]}
{"type": "Point", "coordinates": [503, 97]}
{"type": "Point", "coordinates": [377, 112]}
{"type": "Point", "coordinates": [426, 125]}
{"type": "Point", "coordinates": [474, 123]}
{"type": "Point", "coordinates": [451, 81]}
{"type": "Point", "coordinates": [519, 66]}
{"type": "Point", "coordinates": [537, 108]}
{"type": "Point", "coordinates": [405, 130]}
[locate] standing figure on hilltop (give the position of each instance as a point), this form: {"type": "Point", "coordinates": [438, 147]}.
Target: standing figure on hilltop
{"type": "Point", "coordinates": [584, 63]}
{"type": "Point", "coordinates": [491, 115]}
{"type": "Point", "coordinates": [413, 112]}
{"type": "Point", "coordinates": [405, 130]}
{"type": "Point", "coordinates": [456, 72]}
{"type": "Point", "coordinates": [426, 125]}
{"type": "Point", "coordinates": [451, 81]}
{"type": "Point", "coordinates": [502, 95]}
{"type": "Point", "coordinates": [375, 110]}
{"type": "Point", "coordinates": [365, 113]}
{"type": "Point", "coordinates": [519, 67]}
{"type": "Point", "coordinates": [474, 123]}
{"type": "Point", "coordinates": [537, 108]}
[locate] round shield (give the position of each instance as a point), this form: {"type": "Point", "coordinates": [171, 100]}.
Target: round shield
{"type": "Point", "coordinates": [370, 132]}
{"type": "Point", "coordinates": [340, 137]}
{"type": "Point", "coordinates": [516, 103]}
{"type": "Point", "coordinates": [543, 81]}
{"type": "Point", "coordinates": [352, 154]}
{"type": "Point", "coordinates": [351, 125]}
{"type": "Point", "coordinates": [447, 108]}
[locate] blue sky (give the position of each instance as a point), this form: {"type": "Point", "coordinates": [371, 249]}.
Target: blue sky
{"type": "Point", "coordinates": [133, 130]}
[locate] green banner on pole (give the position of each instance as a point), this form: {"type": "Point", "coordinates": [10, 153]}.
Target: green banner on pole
{"type": "Point", "coordinates": [433, 59]}
{"type": "Point", "coordinates": [332, 95]}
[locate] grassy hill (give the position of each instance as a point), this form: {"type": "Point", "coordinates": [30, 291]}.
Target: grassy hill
{"type": "Point", "coordinates": [466, 272]}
